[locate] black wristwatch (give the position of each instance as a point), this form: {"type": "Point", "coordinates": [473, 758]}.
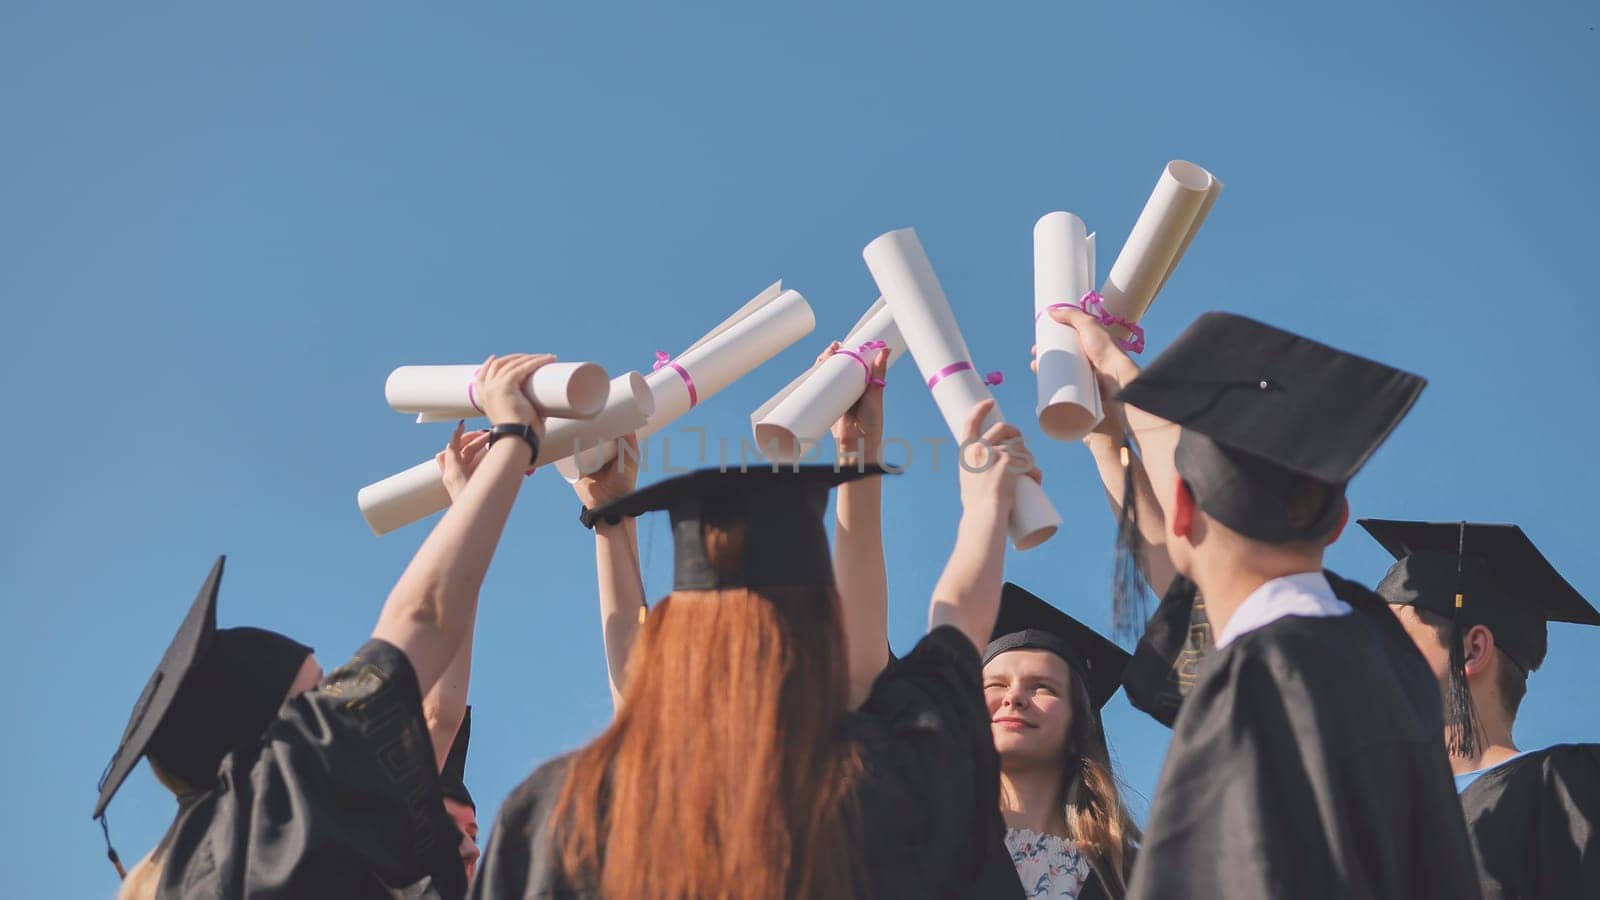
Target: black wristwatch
{"type": "Point", "coordinates": [520, 430]}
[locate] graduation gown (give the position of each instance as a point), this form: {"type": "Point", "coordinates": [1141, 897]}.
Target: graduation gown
{"type": "Point", "coordinates": [1306, 762]}
{"type": "Point", "coordinates": [339, 799]}
{"type": "Point", "coordinates": [1535, 823]}
{"type": "Point", "coordinates": [928, 792]}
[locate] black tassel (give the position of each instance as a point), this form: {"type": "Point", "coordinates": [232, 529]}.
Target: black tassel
{"type": "Point", "coordinates": [1461, 716]}
{"type": "Point", "coordinates": [1129, 596]}
{"type": "Point", "coordinates": [111, 852]}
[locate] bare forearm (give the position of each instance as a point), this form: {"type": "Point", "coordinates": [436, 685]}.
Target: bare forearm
{"type": "Point", "coordinates": [445, 707]}
{"type": "Point", "coordinates": [433, 604]}
{"type": "Point", "coordinates": [967, 594]}
{"type": "Point", "coordinates": [616, 555]}
{"type": "Point", "coordinates": [863, 582]}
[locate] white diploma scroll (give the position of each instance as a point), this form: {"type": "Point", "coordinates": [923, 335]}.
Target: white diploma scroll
{"type": "Point", "coordinates": [1171, 217]}
{"type": "Point", "coordinates": [772, 321]}
{"type": "Point", "coordinates": [912, 292]}
{"type": "Point", "coordinates": [444, 393]}
{"type": "Point", "coordinates": [1063, 271]}
{"type": "Point", "coordinates": [419, 491]}
{"type": "Point", "coordinates": [798, 416]}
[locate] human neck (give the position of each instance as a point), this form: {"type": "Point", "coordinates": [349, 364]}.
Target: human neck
{"type": "Point", "coordinates": [1029, 798]}
{"type": "Point", "coordinates": [1228, 577]}
{"type": "Point", "coordinates": [1496, 746]}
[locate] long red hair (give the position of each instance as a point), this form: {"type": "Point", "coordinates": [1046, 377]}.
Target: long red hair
{"type": "Point", "coordinates": [726, 772]}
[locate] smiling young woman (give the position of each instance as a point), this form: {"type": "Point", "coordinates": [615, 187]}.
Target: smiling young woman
{"type": "Point", "coordinates": [1045, 678]}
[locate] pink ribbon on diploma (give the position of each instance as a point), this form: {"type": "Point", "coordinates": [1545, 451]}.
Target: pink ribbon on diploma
{"type": "Point", "coordinates": [1095, 305]}
{"type": "Point", "coordinates": [663, 360]}
{"type": "Point", "coordinates": [472, 397]}
{"type": "Point", "coordinates": [991, 379]}
{"type": "Point", "coordinates": [865, 366]}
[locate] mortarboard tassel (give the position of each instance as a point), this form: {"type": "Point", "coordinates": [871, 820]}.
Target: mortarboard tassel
{"type": "Point", "coordinates": [111, 852]}
{"type": "Point", "coordinates": [1460, 715]}
{"type": "Point", "coordinates": [1128, 595]}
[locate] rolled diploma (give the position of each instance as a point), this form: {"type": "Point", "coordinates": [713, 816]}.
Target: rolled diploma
{"type": "Point", "coordinates": [439, 393]}
{"type": "Point", "coordinates": [801, 413]}
{"type": "Point", "coordinates": [1063, 271]}
{"type": "Point", "coordinates": [772, 321]}
{"type": "Point", "coordinates": [419, 491]}
{"type": "Point", "coordinates": [1175, 211]}
{"type": "Point", "coordinates": [911, 290]}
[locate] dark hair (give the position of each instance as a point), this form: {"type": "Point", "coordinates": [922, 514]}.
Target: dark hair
{"type": "Point", "coordinates": [1512, 682]}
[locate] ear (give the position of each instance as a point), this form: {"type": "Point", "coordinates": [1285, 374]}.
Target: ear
{"type": "Point", "coordinates": [1477, 647]}
{"type": "Point", "coordinates": [1183, 509]}
{"type": "Point", "coordinates": [1344, 519]}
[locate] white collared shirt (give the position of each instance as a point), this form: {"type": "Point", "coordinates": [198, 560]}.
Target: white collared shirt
{"type": "Point", "coordinates": [1302, 594]}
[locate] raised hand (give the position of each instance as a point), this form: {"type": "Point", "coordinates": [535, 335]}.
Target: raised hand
{"type": "Point", "coordinates": [460, 458]}
{"type": "Point", "coordinates": [860, 429]}
{"type": "Point", "coordinates": [612, 480]}
{"type": "Point", "coordinates": [500, 389]}
{"type": "Point", "coordinates": [991, 462]}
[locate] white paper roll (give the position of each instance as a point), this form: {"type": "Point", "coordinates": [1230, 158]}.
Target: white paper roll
{"type": "Point", "coordinates": [799, 415]}
{"type": "Point", "coordinates": [1063, 271]}
{"type": "Point", "coordinates": [419, 491]}
{"type": "Point", "coordinates": [911, 290]}
{"type": "Point", "coordinates": [772, 321]}
{"type": "Point", "coordinates": [442, 393]}
{"type": "Point", "coordinates": [1174, 213]}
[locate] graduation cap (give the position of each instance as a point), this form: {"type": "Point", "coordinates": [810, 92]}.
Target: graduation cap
{"type": "Point", "coordinates": [1027, 622]}
{"type": "Point", "coordinates": [213, 692]}
{"type": "Point", "coordinates": [1263, 411]}
{"type": "Point", "coordinates": [453, 777]}
{"type": "Point", "coordinates": [1478, 574]}
{"type": "Point", "coordinates": [785, 543]}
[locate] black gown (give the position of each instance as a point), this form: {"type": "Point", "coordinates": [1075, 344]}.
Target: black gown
{"type": "Point", "coordinates": [340, 799]}
{"type": "Point", "coordinates": [928, 793]}
{"type": "Point", "coordinates": [1306, 763]}
{"type": "Point", "coordinates": [1535, 823]}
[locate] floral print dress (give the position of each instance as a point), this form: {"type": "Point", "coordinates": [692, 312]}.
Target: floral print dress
{"type": "Point", "coordinates": [1049, 867]}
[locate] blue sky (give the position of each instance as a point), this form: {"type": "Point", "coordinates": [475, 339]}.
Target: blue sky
{"type": "Point", "coordinates": [221, 227]}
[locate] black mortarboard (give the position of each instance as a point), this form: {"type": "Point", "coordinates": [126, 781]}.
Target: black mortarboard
{"type": "Point", "coordinates": [1504, 582]}
{"type": "Point", "coordinates": [1262, 411]}
{"type": "Point", "coordinates": [212, 692]}
{"type": "Point", "coordinates": [453, 777]}
{"type": "Point", "coordinates": [1026, 622]}
{"type": "Point", "coordinates": [1477, 574]}
{"type": "Point", "coordinates": [785, 542]}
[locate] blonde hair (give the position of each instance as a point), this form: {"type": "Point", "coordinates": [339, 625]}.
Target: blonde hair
{"type": "Point", "coordinates": [1097, 817]}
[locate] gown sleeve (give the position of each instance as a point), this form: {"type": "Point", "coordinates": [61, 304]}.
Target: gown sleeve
{"type": "Point", "coordinates": [340, 797]}
{"type": "Point", "coordinates": [929, 794]}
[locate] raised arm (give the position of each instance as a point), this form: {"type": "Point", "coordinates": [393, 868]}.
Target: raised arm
{"type": "Point", "coordinates": [858, 566]}
{"type": "Point", "coordinates": [616, 560]}
{"type": "Point", "coordinates": [1156, 439]}
{"type": "Point", "coordinates": [445, 706]}
{"type": "Point", "coordinates": [967, 594]}
{"type": "Point", "coordinates": [432, 607]}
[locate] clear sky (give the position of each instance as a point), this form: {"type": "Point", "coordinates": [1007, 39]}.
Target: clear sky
{"type": "Point", "coordinates": [221, 227]}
